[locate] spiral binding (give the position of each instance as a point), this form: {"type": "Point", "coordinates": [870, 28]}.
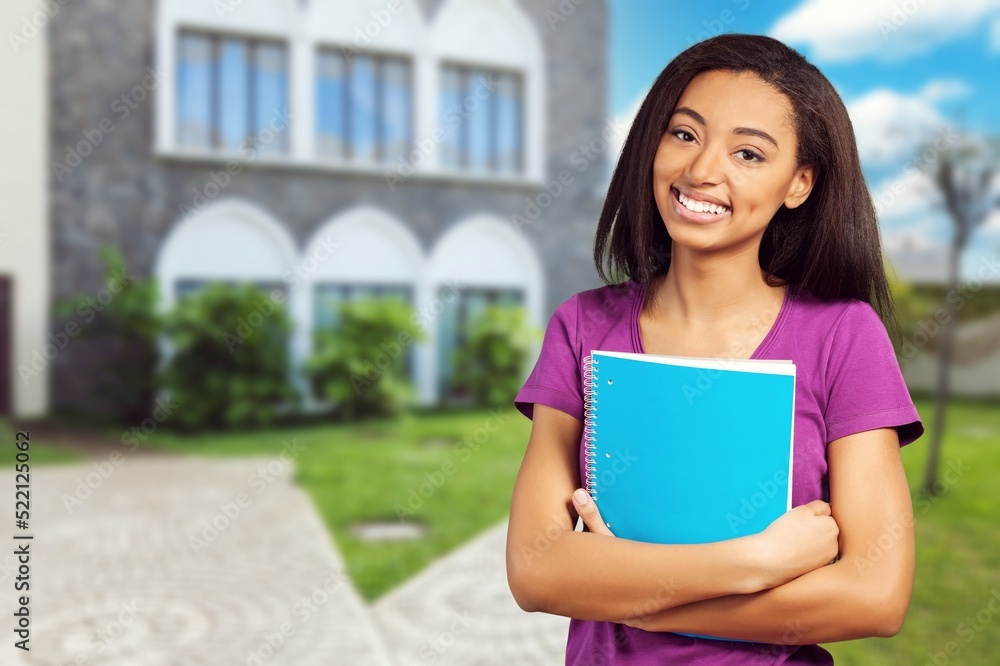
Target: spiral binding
{"type": "Point", "coordinates": [589, 424]}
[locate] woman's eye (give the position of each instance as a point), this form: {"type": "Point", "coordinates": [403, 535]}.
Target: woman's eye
{"type": "Point", "coordinates": [748, 155]}
{"type": "Point", "coordinates": [683, 135]}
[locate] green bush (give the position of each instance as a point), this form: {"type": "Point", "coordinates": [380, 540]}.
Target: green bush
{"type": "Point", "coordinates": [130, 325]}
{"type": "Point", "coordinates": [361, 366]}
{"type": "Point", "coordinates": [489, 367]}
{"type": "Point", "coordinates": [229, 364]}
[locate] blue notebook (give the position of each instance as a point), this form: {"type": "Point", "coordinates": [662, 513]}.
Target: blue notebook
{"type": "Point", "coordinates": [687, 450]}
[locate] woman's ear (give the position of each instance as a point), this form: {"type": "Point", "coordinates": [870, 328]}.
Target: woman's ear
{"type": "Point", "coordinates": [802, 184]}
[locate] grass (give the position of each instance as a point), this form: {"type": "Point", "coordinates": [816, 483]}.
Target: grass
{"type": "Point", "coordinates": [362, 472]}
{"type": "Point", "coordinates": [446, 471]}
{"type": "Point", "coordinates": [958, 549]}
{"type": "Point", "coordinates": [39, 452]}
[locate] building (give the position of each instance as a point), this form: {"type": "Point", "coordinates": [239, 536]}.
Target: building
{"type": "Point", "coordinates": [446, 151]}
{"type": "Point", "coordinates": [25, 344]}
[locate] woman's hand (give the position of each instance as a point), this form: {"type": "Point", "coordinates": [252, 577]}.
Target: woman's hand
{"type": "Point", "coordinates": [802, 539]}
{"type": "Point", "coordinates": [587, 509]}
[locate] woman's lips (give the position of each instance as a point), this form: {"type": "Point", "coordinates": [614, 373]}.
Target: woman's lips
{"type": "Point", "coordinates": [686, 213]}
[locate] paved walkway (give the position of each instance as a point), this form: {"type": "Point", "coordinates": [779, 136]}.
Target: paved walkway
{"type": "Point", "coordinates": [460, 612]}
{"type": "Point", "coordinates": [176, 561]}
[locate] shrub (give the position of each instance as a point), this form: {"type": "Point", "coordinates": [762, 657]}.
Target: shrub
{"type": "Point", "coordinates": [130, 325]}
{"type": "Point", "coordinates": [361, 366]}
{"type": "Point", "coordinates": [490, 367]}
{"type": "Point", "coordinates": [229, 364]}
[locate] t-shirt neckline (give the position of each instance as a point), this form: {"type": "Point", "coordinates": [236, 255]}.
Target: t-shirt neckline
{"type": "Point", "coordinates": [762, 348]}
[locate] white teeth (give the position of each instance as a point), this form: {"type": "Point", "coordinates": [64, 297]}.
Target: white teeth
{"type": "Point", "coordinates": [700, 206]}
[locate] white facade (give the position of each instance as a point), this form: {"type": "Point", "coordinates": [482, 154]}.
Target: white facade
{"type": "Point", "coordinates": [362, 245]}
{"type": "Point", "coordinates": [975, 366]}
{"type": "Point", "coordinates": [481, 33]}
{"type": "Point", "coordinates": [981, 379]}
{"type": "Point", "coordinates": [238, 241]}
{"type": "Point", "coordinates": [24, 235]}
{"type": "Point", "coordinates": [229, 240]}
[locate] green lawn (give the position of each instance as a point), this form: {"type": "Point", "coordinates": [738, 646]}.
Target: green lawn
{"type": "Point", "coordinates": [40, 453]}
{"type": "Point", "coordinates": [362, 472]}
{"type": "Point", "coordinates": [958, 550]}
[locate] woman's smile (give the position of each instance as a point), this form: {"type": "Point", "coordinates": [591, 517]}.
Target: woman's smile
{"type": "Point", "coordinates": [689, 206]}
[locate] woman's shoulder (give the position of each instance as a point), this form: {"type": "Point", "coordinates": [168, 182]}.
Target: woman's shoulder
{"type": "Point", "coordinates": [600, 311]}
{"type": "Point", "coordinates": [810, 305]}
{"type": "Point", "coordinates": [608, 298]}
{"type": "Point", "coordinates": [831, 312]}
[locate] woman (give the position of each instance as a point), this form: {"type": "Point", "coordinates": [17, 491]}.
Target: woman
{"type": "Point", "coordinates": [737, 225]}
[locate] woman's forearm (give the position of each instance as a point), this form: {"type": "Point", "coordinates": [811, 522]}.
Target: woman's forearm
{"type": "Point", "coordinates": [829, 604]}
{"type": "Point", "coordinates": [596, 577]}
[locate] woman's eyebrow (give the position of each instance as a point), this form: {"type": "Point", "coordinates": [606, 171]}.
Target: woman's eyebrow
{"type": "Point", "coordinates": [743, 131]}
{"type": "Point", "coordinates": [749, 131]}
{"type": "Point", "coordinates": [690, 112]}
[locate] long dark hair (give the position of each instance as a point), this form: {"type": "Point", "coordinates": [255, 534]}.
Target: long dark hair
{"type": "Point", "coordinates": [829, 245]}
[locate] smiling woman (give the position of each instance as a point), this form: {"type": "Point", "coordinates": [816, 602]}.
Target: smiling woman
{"type": "Point", "coordinates": [705, 170]}
{"type": "Point", "coordinates": [737, 224]}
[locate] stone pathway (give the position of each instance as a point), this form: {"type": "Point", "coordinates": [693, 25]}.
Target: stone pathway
{"type": "Point", "coordinates": [119, 582]}
{"type": "Point", "coordinates": [460, 612]}
{"type": "Point", "coordinates": [177, 561]}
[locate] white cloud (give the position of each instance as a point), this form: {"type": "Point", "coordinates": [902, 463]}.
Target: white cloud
{"type": "Point", "coordinates": [908, 194]}
{"type": "Point", "coordinates": [940, 90]}
{"type": "Point", "coordinates": [838, 30]}
{"type": "Point", "coordinates": [916, 234]}
{"type": "Point", "coordinates": [992, 224]}
{"type": "Point", "coordinates": [892, 127]}
{"type": "Point", "coordinates": [622, 123]}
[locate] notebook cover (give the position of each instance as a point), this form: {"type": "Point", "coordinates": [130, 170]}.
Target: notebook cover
{"type": "Point", "coordinates": [683, 450]}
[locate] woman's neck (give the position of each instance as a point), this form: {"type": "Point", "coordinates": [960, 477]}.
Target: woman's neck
{"type": "Point", "coordinates": [703, 290]}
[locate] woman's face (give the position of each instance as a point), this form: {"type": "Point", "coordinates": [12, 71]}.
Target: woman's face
{"type": "Point", "coordinates": [726, 163]}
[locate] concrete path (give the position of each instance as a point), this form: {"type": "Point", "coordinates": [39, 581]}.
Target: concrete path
{"type": "Point", "coordinates": [460, 612]}
{"type": "Point", "coordinates": [177, 561]}
{"type": "Point", "coordinates": [180, 562]}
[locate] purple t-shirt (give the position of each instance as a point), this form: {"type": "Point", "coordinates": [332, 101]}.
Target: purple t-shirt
{"type": "Point", "coordinates": [847, 380]}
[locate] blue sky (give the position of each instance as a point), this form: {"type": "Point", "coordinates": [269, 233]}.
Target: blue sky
{"type": "Point", "coordinates": [907, 70]}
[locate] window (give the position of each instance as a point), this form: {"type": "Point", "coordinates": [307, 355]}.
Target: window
{"type": "Point", "coordinates": [363, 106]}
{"type": "Point", "coordinates": [481, 114]}
{"type": "Point", "coordinates": [330, 296]}
{"type": "Point", "coordinates": [232, 94]}
{"type": "Point", "coordinates": [455, 321]}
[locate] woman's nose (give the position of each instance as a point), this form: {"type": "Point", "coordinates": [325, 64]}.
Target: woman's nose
{"type": "Point", "coordinates": [706, 165]}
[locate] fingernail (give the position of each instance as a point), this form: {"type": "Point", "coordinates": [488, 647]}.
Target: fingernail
{"type": "Point", "coordinates": [581, 496]}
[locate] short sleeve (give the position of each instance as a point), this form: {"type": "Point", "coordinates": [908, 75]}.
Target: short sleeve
{"type": "Point", "coordinates": [865, 387]}
{"type": "Point", "coordinates": [555, 380]}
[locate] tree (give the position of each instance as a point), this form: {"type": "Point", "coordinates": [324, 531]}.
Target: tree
{"type": "Point", "coordinates": [966, 179]}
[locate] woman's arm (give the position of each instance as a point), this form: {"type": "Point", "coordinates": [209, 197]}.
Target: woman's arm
{"type": "Point", "coordinates": [594, 576]}
{"type": "Point", "coordinates": [866, 593]}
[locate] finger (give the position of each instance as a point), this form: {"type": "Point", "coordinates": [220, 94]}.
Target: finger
{"type": "Point", "coordinates": [589, 512]}
{"type": "Point", "coordinates": [821, 508]}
